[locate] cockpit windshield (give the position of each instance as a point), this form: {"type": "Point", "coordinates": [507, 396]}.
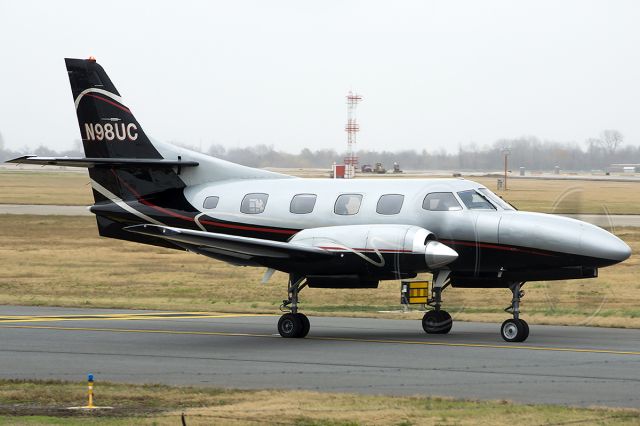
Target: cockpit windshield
{"type": "Point", "coordinates": [495, 199]}
{"type": "Point", "coordinates": [475, 201]}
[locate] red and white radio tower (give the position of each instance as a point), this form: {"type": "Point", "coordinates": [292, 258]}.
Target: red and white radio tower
{"type": "Point", "coordinates": [352, 127]}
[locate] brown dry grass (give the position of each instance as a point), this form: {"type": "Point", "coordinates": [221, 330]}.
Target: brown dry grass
{"type": "Point", "coordinates": [45, 187]}
{"type": "Point", "coordinates": [61, 261]}
{"type": "Point", "coordinates": [41, 403]}
{"type": "Point", "coordinates": [68, 188]}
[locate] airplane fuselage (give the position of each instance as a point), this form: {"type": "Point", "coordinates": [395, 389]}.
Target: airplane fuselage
{"type": "Point", "coordinates": [496, 244]}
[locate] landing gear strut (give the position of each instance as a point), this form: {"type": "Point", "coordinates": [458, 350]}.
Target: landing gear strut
{"type": "Point", "coordinates": [293, 323]}
{"type": "Point", "coordinates": [516, 329]}
{"type": "Point", "coordinates": [437, 321]}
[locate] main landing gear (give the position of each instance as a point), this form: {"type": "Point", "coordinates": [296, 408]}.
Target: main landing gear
{"type": "Point", "coordinates": [516, 329]}
{"type": "Point", "coordinates": [293, 323]}
{"type": "Point", "coordinates": [437, 321]}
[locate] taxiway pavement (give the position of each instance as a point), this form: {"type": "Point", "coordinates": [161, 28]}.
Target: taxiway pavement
{"type": "Point", "coordinates": [45, 209]}
{"type": "Point", "coordinates": [560, 365]}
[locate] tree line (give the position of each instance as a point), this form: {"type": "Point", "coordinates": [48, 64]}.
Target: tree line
{"type": "Point", "coordinates": [529, 152]}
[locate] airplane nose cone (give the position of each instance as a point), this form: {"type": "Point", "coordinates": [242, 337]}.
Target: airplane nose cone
{"type": "Point", "coordinates": [598, 243]}
{"type": "Point", "coordinates": [438, 255]}
{"type": "Point", "coordinates": [562, 235]}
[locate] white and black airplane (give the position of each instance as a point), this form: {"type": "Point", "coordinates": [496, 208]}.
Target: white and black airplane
{"type": "Point", "coordinates": [324, 233]}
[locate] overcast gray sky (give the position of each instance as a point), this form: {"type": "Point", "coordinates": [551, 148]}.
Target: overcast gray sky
{"type": "Point", "coordinates": [434, 74]}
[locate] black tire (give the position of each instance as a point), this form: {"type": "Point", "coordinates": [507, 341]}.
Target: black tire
{"type": "Point", "coordinates": [514, 330]}
{"type": "Point", "coordinates": [306, 325]}
{"type": "Point", "coordinates": [290, 326]}
{"type": "Point", "coordinates": [525, 335]}
{"type": "Point", "coordinates": [437, 322]}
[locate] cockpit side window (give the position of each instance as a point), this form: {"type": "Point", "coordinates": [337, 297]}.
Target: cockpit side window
{"type": "Point", "coordinates": [440, 201]}
{"type": "Point", "coordinates": [474, 200]}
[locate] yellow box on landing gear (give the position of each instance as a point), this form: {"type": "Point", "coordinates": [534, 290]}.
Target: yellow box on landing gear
{"type": "Point", "coordinates": [414, 292]}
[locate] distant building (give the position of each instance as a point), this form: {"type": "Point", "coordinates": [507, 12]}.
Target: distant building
{"type": "Point", "coordinates": [624, 168]}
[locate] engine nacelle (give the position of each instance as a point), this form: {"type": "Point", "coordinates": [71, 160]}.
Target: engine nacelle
{"type": "Point", "coordinates": [379, 239]}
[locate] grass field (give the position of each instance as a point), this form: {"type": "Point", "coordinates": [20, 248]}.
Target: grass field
{"type": "Point", "coordinates": [40, 187]}
{"type": "Point", "coordinates": [61, 261]}
{"type": "Point", "coordinates": [37, 403]}
{"type": "Point", "coordinates": [67, 188]}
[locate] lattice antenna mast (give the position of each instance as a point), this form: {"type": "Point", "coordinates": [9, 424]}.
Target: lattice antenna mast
{"type": "Point", "coordinates": [352, 128]}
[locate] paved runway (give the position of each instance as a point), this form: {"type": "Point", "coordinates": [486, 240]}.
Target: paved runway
{"type": "Point", "coordinates": [567, 365]}
{"type": "Point", "coordinates": [45, 209]}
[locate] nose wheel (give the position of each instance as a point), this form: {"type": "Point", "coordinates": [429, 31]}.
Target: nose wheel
{"type": "Point", "coordinates": [516, 329]}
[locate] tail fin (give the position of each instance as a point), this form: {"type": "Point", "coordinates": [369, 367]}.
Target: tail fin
{"type": "Point", "coordinates": [107, 126]}
{"type": "Point", "coordinates": [110, 131]}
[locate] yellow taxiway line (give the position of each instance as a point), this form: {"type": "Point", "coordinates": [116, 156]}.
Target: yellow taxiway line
{"type": "Point", "coordinates": [114, 314]}
{"type": "Point", "coordinates": [120, 317]}
{"type": "Point", "coordinates": [328, 338]}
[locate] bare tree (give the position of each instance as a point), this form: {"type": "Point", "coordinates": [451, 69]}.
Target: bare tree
{"type": "Point", "coordinates": [611, 140]}
{"type": "Point", "coordinates": [593, 144]}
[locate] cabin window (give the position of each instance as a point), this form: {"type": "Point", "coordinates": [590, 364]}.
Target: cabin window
{"type": "Point", "coordinates": [303, 203]}
{"type": "Point", "coordinates": [440, 201]}
{"type": "Point", "coordinates": [254, 203]}
{"type": "Point", "coordinates": [348, 204]}
{"type": "Point", "coordinates": [390, 204]}
{"type": "Point", "coordinates": [211, 202]}
{"type": "Point", "coordinates": [475, 201]}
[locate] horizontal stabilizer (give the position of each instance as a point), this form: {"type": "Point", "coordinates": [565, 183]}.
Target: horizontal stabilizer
{"type": "Point", "coordinates": [108, 162]}
{"type": "Point", "coordinates": [243, 247]}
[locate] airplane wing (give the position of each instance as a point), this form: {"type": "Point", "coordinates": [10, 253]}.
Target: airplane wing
{"type": "Point", "coordinates": [241, 248]}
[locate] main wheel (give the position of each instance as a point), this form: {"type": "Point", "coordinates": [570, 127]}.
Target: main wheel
{"type": "Point", "coordinates": [306, 325]}
{"type": "Point", "coordinates": [437, 322]}
{"type": "Point", "coordinates": [514, 330]}
{"type": "Point", "coordinates": [293, 325]}
{"type": "Point", "coordinates": [526, 330]}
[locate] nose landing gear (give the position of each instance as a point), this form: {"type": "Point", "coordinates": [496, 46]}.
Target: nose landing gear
{"type": "Point", "coordinates": [516, 329]}
{"type": "Point", "coordinates": [293, 324]}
